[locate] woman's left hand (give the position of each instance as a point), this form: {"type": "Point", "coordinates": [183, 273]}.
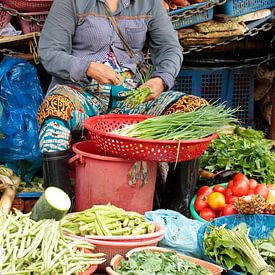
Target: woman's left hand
{"type": "Point", "coordinates": [156, 85]}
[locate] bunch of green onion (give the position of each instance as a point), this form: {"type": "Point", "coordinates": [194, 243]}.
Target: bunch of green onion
{"type": "Point", "coordinates": [137, 96]}
{"type": "Point", "coordinates": [182, 126]}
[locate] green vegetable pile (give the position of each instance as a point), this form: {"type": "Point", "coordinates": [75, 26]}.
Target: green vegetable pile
{"type": "Point", "coordinates": [38, 248]}
{"type": "Point", "coordinates": [234, 250]}
{"type": "Point", "coordinates": [156, 263]}
{"type": "Point", "coordinates": [137, 96]}
{"type": "Point", "coordinates": [266, 247]}
{"type": "Point", "coordinates": [107, 220]}
{"type": "Point", "coordinates": [245, 151]}
{"type": "Point", "coordinates": [182, 126]}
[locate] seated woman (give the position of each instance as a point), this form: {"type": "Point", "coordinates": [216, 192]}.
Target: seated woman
{"type": "Point", "coordinates": [92, 48]}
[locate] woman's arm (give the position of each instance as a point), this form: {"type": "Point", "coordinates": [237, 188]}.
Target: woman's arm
{"type": "Point", "coordinates": [55, 44]}
{"type": "Point", "coordinates": [164, 45]}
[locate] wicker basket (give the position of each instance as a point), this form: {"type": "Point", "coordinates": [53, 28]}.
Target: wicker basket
{"type": "Point", "coordinates": [29, 5]}
{"type": "Point", "coordinates": [31, 26]}
{"type": "Point", "coordinates": [115, 262]}
{"type": "Point", "coordinates": [5, 18]}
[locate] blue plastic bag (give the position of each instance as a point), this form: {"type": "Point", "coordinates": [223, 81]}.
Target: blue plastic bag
{"type": "Point", "coordinates": [20, 97]}
{"type": "Point", "coordinates": [180, 232]}
{"type": "Point", "coordinates": [260, 227]}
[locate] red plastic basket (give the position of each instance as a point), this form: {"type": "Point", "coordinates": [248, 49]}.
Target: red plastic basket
{"type": "Point", "coordinates": [29, 5]}
{"type": "Point", "coordinates": [5, 18]}
{"type": "Point", "coordinates": [100, 128]}
{"type": "Point", "coordinates": [31, 26]}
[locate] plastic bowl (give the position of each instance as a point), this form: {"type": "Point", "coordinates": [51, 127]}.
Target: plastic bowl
{"type": "Point", "coordinates": [194, 213]}
{"type": "Point", "coordinates": [260, 227]}
{"type": "Point", "coordinates": [90, 270]}
{"type": "Point", "coordinates": [110, 249]}
{"type": "Point", "coordinates": [115, 262]}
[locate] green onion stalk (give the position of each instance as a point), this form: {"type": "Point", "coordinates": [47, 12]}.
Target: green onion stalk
{"type": "Point", "coordinates": [183, 126]}
{"type": "Point", "coordinates": [137, 96]}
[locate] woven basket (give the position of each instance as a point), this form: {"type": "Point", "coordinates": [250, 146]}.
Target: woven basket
{"type": "Point", "coordinates": [29, 5]}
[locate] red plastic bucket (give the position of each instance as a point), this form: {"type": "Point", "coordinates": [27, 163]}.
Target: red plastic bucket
{"type": "Point", "coordinates": [101, 179]}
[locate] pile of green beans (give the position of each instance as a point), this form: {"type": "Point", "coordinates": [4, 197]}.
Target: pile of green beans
{"type": "Point", "coordinates": [137, 96]}
{"type": "Point", "coordinates": [107, 220]}
{"type": "Point", "coordinates": [41, 248]}
{"type": "Point", "coordinates": [182, 126]}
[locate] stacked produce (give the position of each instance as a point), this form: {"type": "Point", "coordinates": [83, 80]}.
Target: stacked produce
{"type": "Point", "coordinates": [244, 151]}
{"type": "Point", "coordinates": [107, 220]}
{"type": "Point", "coordinates": [241, 195]}
{"type": "Point", "coordinates": [148, 262]}
{"type": "Point", "coordinates": [41, 248]}
{"type": "Point", "coordinates": [8, 185]}
{"type": "Point", "coordinates": [233, 249]}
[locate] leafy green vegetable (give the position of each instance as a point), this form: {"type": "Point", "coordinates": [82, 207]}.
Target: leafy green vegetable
{"type": "Point", "coordinates": [245, 151]}
{"type": "Point", "coordinates": [156, 263]}
{"type": "Point", "coordinates": [266, 247]}
{"type": "Point", "coordinates": [234, 250]}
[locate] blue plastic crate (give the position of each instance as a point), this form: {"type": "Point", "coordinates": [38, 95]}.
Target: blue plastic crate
{"type": "Point", "coordinates": [179, 21]}
{"type": "Point", "coordinates": [233, 86]}
{"type": "Point", "coordinates": [240, 7]}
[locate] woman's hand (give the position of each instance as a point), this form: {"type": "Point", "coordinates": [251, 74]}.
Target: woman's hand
{"type": "Point", "coordinates": [104, 74]}
{"type": "Point", "coordinates": [156, 85]}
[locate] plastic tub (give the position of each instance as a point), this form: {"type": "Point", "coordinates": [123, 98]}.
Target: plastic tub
{"type": "Point", "coordinates": [115, 262]}
{"type": "Point", "coordinates": [101, 179]}
{"type": "Point", "coordinates": [194, 213]}
{"type": "Point", "coordinates": [90, 270]}
{"type": "Point", "coordinates": [112, 248]}
{"type": "Point", "coordinates": [260, 227]}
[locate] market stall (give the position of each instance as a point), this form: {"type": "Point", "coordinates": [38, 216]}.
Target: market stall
{"type": "Point", "coordinates": [126, 217]}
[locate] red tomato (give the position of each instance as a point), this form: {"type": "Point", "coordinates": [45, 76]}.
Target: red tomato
{"type": "Point", "coordinates": [216, 201]}
{"type": "Point", "coordinates": [240, 188]}
{"type": "Point", "coordinates": [219, 213]}
{"type": "Point", "coordinates": [208, 214]}
{"type": "Point", "coordinates": [230, 199]}
{"type": "Point", "coordinates": [252, 184]}
{"type": "Point", "coordinates": [261, 189]}
{"type": "Point", "coordinates": [204, 190]}
{"type": "Point", "coordinates": [229, 209]}
{"type": "Point", "coordinates": [228, 192]}
{"type": "Point", "coordinates": [270, 187]}
{"type": "Point", "coordinates": [240, 177]}
{"type": "Point", "coordinates": [200, 203]}
{"type": "Point", "coordinates": [230, 184]}
{"type": "Point", "coordinates": [219, 188]}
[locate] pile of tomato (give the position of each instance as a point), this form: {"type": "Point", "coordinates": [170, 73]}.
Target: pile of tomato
{"type": "Point", "coordinates": [219, 201]}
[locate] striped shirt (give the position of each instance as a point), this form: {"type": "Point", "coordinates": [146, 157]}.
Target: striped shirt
{"type": "Point", "coordinates": [78, 32]}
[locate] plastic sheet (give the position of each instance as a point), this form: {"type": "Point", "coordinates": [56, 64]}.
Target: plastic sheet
{"type": "Point", "coordinates": [20, 96]}
{"type": "Point", "coordinates": [180, 232]}
{"type": "Point", "coordinates": [260, 227]}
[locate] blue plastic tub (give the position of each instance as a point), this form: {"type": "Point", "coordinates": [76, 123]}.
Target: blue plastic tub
{"type": "Point", "coordinates": [239, 7]}
{"type": "Point", "coordinates": [260, 227]}
{"type": "Point", "coordinates": [179, 21]}
{"type": "Point", "coordinates": [233, 86]}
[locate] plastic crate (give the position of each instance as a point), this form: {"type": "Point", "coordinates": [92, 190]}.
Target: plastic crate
{"type": "Point", "coordinates": [5, 18]}
{"type": "Point", "coordinates": [179, 21]}
{"type": "Point", "coordinates": [239, 7]}
{"type": "Point", "coordinates": [29, 5]}
{"type": "Point", "coordinates": [234, 86]}
{"type": "Point", "coordinates": [31, 26]}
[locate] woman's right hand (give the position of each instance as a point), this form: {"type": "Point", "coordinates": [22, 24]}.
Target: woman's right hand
{"type": "Point", "coordinates": [104, 74]}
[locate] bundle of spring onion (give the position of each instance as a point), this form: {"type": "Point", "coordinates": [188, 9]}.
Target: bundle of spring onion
{"type": "Point", "coordinates": [30, 247]}
{"type": "Point", "coordinates": [137, 96]}
{"type": "Point", "coordinates": [182, 126]}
